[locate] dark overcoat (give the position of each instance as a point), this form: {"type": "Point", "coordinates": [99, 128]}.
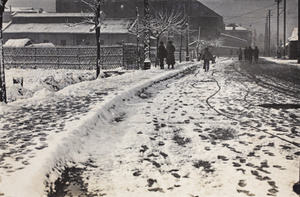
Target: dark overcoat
{"type": "Point", "coordinates": [162, 52]}
{"type": "Point", "coordinates": [171, 51]}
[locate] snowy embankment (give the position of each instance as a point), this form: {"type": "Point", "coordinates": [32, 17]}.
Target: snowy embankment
{"type": "Point", "coordinates": [39, 81]}
{"type": "Point", "coordinates": [63, 147]}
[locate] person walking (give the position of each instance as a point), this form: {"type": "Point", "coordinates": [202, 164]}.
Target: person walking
{"type": "Point", "coordinates": [240, 54]}
{"type": "Point", "coordinates": [162, 54]}
{"type": "Point", "coordinates": [256, 54]}
{"type": "Point", "coordinates": [250, 54]}
{"type": "Point", "coordinates": [170, 55]}
{"type": "Point", "coordinates": [246, 54]}
{"type": "Point", "coordinates": [206, 56]}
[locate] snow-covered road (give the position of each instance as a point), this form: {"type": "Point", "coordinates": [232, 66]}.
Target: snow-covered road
{"type": "Point", "coordinates": [201, 134]}
{"type": "Point", "coordinates": [138, 134]}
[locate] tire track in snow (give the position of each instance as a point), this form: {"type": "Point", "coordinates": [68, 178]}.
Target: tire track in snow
{"type": "Point", "coordinates": [241, 122]}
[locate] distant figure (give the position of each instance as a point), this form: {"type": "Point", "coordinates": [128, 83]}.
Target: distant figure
{"type": "Point", "coordinates": [231, 53]}
{"type": "Point", "coordinates": [162, 54]}
{"type": "Point", "coordinates": [256, 54]}
{"type": "Point", "coordinates": [240, 54]}
{"type": "Point", "coordinates": [206, 56]}
{"type": "Point", "coordinates": [250, 54]}
{"type": "Point", "coordinates": [246, 54]}
{"type": "Point", "coordinates": [170, 55]}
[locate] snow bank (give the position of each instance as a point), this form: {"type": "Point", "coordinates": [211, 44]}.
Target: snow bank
{"type": "Point", "coordinates": [64, 147]}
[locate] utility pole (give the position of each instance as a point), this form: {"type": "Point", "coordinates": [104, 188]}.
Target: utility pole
{"type": "Point", "coordinates": [298, 32]}
{"type": "Point", "coordinates": [284, 26]}
{"type": "Point", "coordinates": [269, 35]}
{"type": "Point", "coordinates": [187, 58]}
{"type": "Point", "coordinates": [266, 37]}
{"type": "Point", "coordinates": [98, 40]}
{"type": "Point", "coordinates": [137, 39]}
{"type": "Point", "coordinates": [278, 4]}
{"type": "Point", "coordinates": [147, 61]}
{"type": "Point", "coordinates": [2, 67]}
{"type": "Point", "coordinates": [198, 43]}
{"type": "Point", "coordinates": [186, 12]}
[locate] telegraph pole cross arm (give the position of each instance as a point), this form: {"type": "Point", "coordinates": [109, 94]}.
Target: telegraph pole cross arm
{"type": "Point", "coordinates": [2, 73]}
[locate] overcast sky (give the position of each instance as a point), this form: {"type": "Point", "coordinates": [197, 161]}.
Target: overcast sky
{"type": "Point", "coordinates": [252, 13]}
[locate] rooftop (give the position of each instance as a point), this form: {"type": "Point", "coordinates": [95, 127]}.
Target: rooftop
{"type": "Point", "coordinates": [294, 36]}
{"type": "Point", "coordinates": [47, 15]}
{"type": "Point", "coordinates": [107, 26]}
{"type": "Point", "coordinates": [235, 27]}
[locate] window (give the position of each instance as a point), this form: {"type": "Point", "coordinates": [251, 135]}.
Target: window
{"type": "Point", "coordinates": [63, 42]}
{"type": "Point", "coordinates": [46, 41]}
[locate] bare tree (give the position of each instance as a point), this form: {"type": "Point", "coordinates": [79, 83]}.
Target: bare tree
{"type": "Point", "coordinates": [2, 67]}
{"type": "Point", "coordinates": [168, 22]}
{"type": "Point", "coordinates": [203, 43]}
{"type": "Point", "coordinates": [96, 20]}
{"type": "Point", "coordinates": [162, 21]}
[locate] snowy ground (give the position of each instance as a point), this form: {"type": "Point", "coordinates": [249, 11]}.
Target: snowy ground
{"type": "Point", "coordinates": [202, 134]}
{"type": "Point", "coordinates": [34, 81]}
{"type": "Point", "coordinates": [282, 61]}
{"type": "Point", "coordinates": [41, 134]}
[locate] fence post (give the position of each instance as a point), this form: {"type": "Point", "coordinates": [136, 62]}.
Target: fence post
{"type": "Point", "coordinates": [123, 49]}
{"type": "Point", "coordinates": [78, 58]}
{"type": "Point", "coordinates": [35, 55]}
{"type": "Point", "coordinates": [58, 56]}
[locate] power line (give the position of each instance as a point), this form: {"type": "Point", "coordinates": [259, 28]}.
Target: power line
{"type": "Point", "coordinates": [219, 5]}
{"type": "Point", "coordinates": [251, 11]}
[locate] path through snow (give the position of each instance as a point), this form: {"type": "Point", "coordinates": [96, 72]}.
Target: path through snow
{"type": "Point", "coordinates": [203, 134]}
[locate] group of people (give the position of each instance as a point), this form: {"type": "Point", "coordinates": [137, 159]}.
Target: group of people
{"type": "Point", "coordinates": [168, 53]}
{"type": "Point", "coordinates": [249, 54]}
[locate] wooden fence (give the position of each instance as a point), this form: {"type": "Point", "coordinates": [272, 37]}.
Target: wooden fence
{"type": "Point", "coordinates": [78, 57]}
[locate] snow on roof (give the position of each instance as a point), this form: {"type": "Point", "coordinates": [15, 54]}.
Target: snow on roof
{"type": "Point", "coordinates": [237, 28]}
{"type": "Point", "coordinates": [294, 36]}
{"type": "Point", "coordinates": [18, 42]}
{"type": "Point", "coordinates": [107, 26]}
{"type": "Point", "coordinates": [5, 25]}
{"type": "Point", "coordinates": [60, 15]}
{"type": "Point", "coordinates": [116, 25]}
{"type": "Point", "coordinates": [19, 9]}
{"type": "Point", "coordinates": [233, 37]}
{"type": "Point", "coordinates": [48, 44]}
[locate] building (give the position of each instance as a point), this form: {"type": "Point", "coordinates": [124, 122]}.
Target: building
{"type": "Point", "coordinates": [292, 47]}
{"type": "Point", "coordinates": [47, 5]}
{"type": "Point", "coordinates": [200, 16]}
{"type": "Point", "coordinates": [67, 29]}
{"type": "Point", "coordinates": [235, 37]}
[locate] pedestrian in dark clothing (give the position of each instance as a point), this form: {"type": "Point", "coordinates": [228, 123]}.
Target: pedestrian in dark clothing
{"type": "Point", "coordinates": [240, 54]}
{"type": "Point", "coordinates": [206, 56]}
{"type": "Point", "coordinates": [250, 53]}
{"type": "Point", "coordinates": [162, 54]}
{"type": "Point", "coordinates": [170, 55]}
{"type": "Point", "coordinates": [256, 54]}
{"type": "Point", "coordinates": [246, 54]}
